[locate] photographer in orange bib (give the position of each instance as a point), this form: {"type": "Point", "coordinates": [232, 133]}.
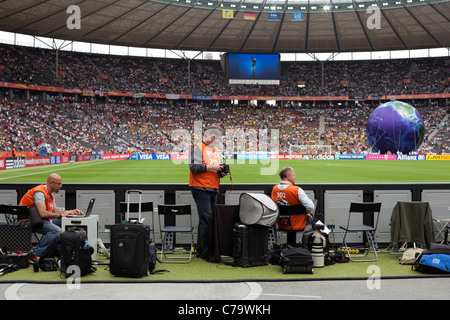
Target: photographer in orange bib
{"type": "Point", "coordinates": [206, 170]}
{"type": "Point", "coordinates": [287, 194]}
{"type": "Point", "coordinates": [42, 197]}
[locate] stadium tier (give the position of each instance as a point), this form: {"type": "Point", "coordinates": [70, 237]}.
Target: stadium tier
{"type": "Point", "coordinates": [121, 127]}
{"type": "Point", "coordinates": [103, 103]}
{"type": "Point", "coordinates": [128, 76]}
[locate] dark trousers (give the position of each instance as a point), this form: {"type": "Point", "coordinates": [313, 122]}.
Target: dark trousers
{"type": "Point", "coordinates": [291, 238]}
{"type": "Point", "coordinates": [205, 201]}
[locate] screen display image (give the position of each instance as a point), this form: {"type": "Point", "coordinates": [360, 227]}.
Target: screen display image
{"type": "Point", "coordinates": [253, 68]}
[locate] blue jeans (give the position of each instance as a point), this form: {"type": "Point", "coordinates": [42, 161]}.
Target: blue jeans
{"type": "Point", "coordinates": [205, 201]}
{"type": "Point", "coordinates": [50, 231]}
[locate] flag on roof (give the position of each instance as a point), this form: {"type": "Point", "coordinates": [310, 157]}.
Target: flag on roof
{"type": "Point", "coordinates": [249, 15]}
{"type": "Point", "coordinates": [227, 14]}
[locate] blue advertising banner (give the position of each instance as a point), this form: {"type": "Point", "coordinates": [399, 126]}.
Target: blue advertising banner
{"type": "Point", "coordinates": [297, 16]}
{"type": "Point", "coordinates": [274, 16]}
{"type": "Point", "coordinates": [253, 156]}
{"type": "Point", "coordinates": [143, 156]}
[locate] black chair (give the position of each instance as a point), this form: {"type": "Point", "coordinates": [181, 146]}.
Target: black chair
{"type": "Point", "coordinates": [359, 208]}
{"type": "Point", "coordinates": [14, 210]}
{"type": "Point", "coordinates": [284, 221]}
{"type": "Point", "coordinates": [168, 232]}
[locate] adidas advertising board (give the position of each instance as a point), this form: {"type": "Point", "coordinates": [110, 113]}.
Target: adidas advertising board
{"type": "Point", "coordinates": [14, 163]}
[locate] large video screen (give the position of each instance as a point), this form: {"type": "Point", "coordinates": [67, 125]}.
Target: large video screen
{"type": "Point", "coordinates": [258, 68]}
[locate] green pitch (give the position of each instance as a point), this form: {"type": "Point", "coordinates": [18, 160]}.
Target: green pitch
{"type": "Point", "coordinates": [308, 171]}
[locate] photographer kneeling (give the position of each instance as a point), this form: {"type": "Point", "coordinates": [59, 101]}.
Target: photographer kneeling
{"type": "Point", "coordinates": [204, 179]}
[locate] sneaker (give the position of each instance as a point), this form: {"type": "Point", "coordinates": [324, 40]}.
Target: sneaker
{"type": "Point", "coordinates": [32, 258]}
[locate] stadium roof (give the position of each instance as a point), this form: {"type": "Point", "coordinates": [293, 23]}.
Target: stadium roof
{"type": "Point", "coordinates": [203, 25]}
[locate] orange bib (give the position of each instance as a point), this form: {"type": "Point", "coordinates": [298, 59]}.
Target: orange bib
{"type": "Point", "coordinates": [289, 197]}
{"type": "Point", "coordinates": [208, 179]}
{"type": "Point", "coordinates": [27, 199]}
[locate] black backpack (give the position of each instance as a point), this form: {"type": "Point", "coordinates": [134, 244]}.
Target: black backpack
{"type": "Point", "coordinates": [74, 250]}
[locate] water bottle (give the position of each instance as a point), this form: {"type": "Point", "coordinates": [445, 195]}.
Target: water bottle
{"type": "Point", "coordinates": [88, 247]}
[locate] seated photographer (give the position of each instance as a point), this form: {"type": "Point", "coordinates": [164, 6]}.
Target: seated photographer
{"type": "Point", "coordinates": [42, 198]}
{"type": "Point", "coordinates": [286, 193]}
{"type": "Point", "coordinates": [204, 178]}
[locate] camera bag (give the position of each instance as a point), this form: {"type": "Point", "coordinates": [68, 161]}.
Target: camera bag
{"type": "Point", "coordinates": [19, 259]}
{"type": "Point", "coordinates": [296, 260]}
{"type": "Point", "coordinates": [75, 251]}
{"type": "Point", "coordinates": [434, 260]}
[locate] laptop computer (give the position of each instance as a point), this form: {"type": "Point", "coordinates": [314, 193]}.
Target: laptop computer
{"type": "Point", "coordinates": [88, 210]}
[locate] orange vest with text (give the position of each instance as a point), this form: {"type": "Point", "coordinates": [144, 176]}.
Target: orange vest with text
{"type": "Point", "coordinates": [289, 196]}
{"type": "Point", "coordinates": [208, 179]}
{"type": "Point", "coordinates": [28, 200]}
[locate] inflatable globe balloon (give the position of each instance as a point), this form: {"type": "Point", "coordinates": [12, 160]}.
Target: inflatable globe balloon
{"type": "Point", "coordinates": [395, 126]}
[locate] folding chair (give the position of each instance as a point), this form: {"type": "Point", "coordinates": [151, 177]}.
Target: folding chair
{"type": "Point", "coordinates": [441, 228]}
{"type": "Point", "coordinates": [441, 222]}
{"type": "Point", "coordinates": [368, 229]}
{"type": "Point", "coordinates": [168, 232]}
{"type": "Point", "coordinates": [411, 222]}
{"type": "Point", "coordinates": [447, 229]}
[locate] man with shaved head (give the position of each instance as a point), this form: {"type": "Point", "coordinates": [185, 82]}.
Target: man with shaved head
{"type": "Point", "coordinates": [42, 198]}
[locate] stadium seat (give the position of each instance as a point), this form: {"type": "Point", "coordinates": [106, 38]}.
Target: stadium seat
{"type": "Point", "coordinates": [369, 230]}
{"type": "Point", "coordinates": [168, 232]}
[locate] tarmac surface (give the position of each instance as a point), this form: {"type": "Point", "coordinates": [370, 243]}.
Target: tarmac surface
{"type": "Point", "coordinates": [369, 289]}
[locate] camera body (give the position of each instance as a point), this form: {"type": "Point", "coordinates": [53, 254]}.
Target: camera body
{"type": "Point", "coordinates": [47, 264]}
{"type": "Point", "coordinates": [225, 168]}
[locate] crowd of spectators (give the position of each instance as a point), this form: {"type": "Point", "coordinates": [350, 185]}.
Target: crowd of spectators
{"type": "Point", "coordinates": [119, 126]}
{"type": "Point", "coordinates": [72, 70]}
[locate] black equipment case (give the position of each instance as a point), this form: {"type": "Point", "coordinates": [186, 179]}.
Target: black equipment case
{"type": "Point", "coordinates": [250, 245]}
{"type": "Point", "coordinates": [19, 259]}
{"type": "Point", "coordinates": [296, 260]}
{"type": "Point", "coordinates": [14, 234]}
{"type": "Point", "coordinates": [130, 250]}
{"type": "Point", "coordinates": [130, 246]}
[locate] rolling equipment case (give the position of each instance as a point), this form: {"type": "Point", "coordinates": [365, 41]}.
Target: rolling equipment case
{"type": "Point", "coordinates": [130, 247]}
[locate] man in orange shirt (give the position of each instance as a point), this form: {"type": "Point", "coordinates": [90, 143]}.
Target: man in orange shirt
{"type": "Point", "coordinates": [204, 180]}
{"type": "Point", "coordinates": [287, 194]}
{"type": "Point", "coordinates": [42, 198]}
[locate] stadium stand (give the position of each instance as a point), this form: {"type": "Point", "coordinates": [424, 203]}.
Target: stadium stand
{"type": "Point", "coordinates": [118, 125]}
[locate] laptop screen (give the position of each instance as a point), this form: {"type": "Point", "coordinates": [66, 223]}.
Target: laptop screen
{"type": "Point", "coordinates": [90, 206]}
